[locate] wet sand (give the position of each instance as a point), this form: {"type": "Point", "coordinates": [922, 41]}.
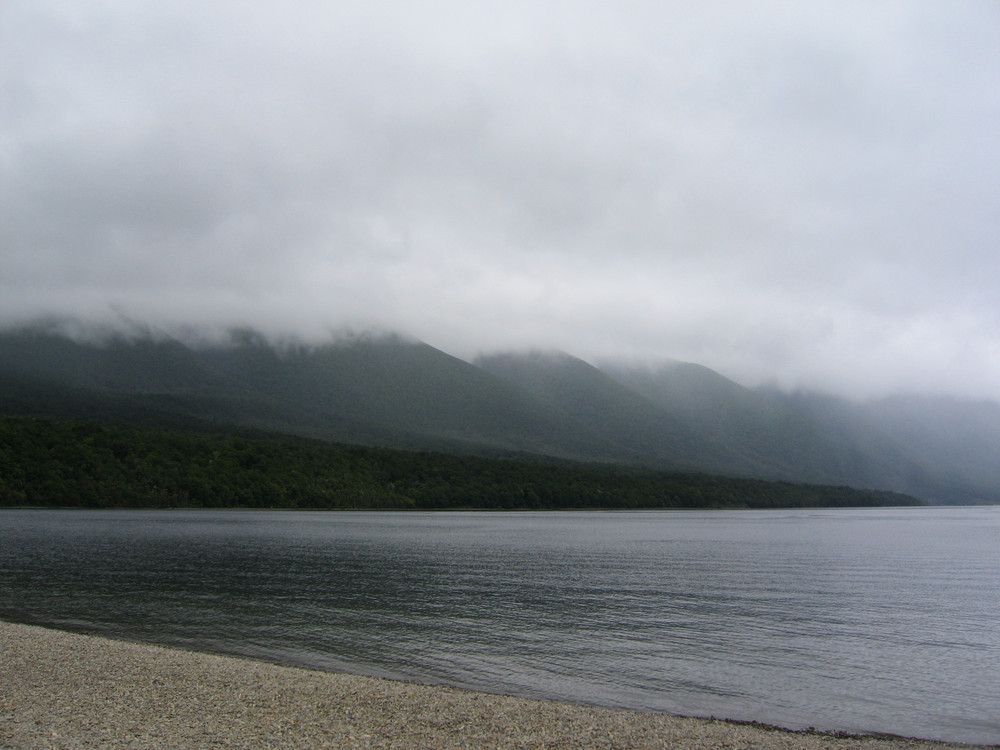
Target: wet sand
{"type": "Point", "coordinates": [62, 690]}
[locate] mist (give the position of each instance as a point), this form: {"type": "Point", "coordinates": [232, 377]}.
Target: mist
{"type": "Point", "coordinates": [790, 194]}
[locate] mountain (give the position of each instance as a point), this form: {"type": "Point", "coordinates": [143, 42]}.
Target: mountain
{"type": "Point", "coordinates": [958, 442]}
{"type": "Point", "coordinates": [778, 441]}
{"type": "Point", "coordinates": [380, 391]}
{"type": "Point", "coordinates": [394, 392]}
{"type": "Point", "coordinates": [803, 437]}
{"type": "Point", "coordinates": [404, 388]}
{"type": "Point", "coordinates": [595, 399]}
{"type": "Point", "coordinates": [137, 377]}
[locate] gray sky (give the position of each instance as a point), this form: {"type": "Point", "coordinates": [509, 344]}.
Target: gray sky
{"type": "Point", "coordinates": [804, 192]}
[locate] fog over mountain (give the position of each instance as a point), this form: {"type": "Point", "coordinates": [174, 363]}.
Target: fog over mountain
{"type": "Point", "coordinates": [791, 193]}
{"type": "Point", "coordinates": [392, 391]}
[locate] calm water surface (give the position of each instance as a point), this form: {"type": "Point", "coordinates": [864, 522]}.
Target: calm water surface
{"type": "Point", "coordinates": [860, 620]}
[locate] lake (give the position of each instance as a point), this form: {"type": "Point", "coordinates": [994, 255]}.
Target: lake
{"type": "Point", "coordinates": [884, 620]}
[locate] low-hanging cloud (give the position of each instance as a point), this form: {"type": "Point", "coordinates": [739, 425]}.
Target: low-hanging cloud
{"type": "Point", "coordinates": [783, 191]}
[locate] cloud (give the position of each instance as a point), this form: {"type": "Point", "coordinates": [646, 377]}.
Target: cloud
{"type": "Point", "coordinates": [804, 192]}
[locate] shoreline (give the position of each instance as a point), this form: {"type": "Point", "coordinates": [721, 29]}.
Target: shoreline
{"type": "Point", "coordinates": [66, 690]}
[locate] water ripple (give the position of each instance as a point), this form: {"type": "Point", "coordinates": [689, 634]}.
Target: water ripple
{"type": "Point", "coordinates": [877, 620]}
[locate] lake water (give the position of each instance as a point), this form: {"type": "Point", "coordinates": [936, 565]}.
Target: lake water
{"type": "Point", "coordinates": [882, 620]}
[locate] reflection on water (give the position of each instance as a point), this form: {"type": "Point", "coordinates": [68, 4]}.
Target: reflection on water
{"type": "Point", "coordinates": [868, 620]}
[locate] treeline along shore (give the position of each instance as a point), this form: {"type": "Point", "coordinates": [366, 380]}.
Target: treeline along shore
{"type": "Point", "coordinates": [47, 463]}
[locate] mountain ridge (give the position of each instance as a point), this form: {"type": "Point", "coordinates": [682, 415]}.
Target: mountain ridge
{"type": "Point", "coordinates": [390, 391]}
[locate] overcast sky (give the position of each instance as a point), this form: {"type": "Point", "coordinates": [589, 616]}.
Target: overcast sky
{"type": "Point", "coordinates": [803, 192]}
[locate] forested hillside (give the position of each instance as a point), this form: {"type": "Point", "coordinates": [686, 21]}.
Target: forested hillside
{"type": "Point", "coordinates": [58, 464]}
{"type": "Point", "coordinates": [391, 392]}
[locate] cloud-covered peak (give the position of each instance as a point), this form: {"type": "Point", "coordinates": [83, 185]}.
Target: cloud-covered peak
{"type": "Point", "coordinates": [779, 190]}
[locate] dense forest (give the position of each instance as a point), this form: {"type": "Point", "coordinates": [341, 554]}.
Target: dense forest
{"type": "Point", "coordinates": [66, 464]}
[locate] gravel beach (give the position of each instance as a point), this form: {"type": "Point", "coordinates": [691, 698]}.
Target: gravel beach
{"type": "Point", "coordinates": [62, 690]}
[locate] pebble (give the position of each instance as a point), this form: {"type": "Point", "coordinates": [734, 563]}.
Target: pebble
{"type": "Point", "coordinates": [63, 690]}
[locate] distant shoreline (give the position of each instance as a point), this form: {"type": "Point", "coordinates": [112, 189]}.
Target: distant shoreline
{"type": "Point", "coordinates": [90, 465]}
{"type": "Point", "coordinates": [66, 690]}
